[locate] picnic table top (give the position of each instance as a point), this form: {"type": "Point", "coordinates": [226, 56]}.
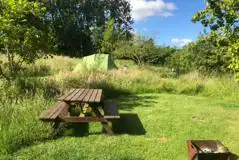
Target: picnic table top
{"type": "Point", "coordinates": [82, 95]}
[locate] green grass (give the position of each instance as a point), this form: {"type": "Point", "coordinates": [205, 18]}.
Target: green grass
{"type": "Point", "coordinates": [153, 126]}
{"type": "Point", "coordinates": [160, 111]}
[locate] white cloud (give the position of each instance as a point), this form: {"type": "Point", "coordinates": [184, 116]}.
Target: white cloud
{"type": "Point", "coordinates": [142, 9]}
{"type": "Point", "coordinates": [181, 42]}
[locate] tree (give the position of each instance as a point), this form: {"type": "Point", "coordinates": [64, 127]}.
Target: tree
{"type": "Point", "coordinates": [181, 61]}
{"type": "Point", "coordinates": [223, 17]}
{"type": "Point", "coordinates": [136, 50]}
{"type": "Point", "coordinates": [143, 51]}
{"type": "Point", "coordinates": [78, 24]}
{"type": "Point", "coordinates": [207, 56]}
{"type": "Point", "coordinates": [109, 37]}
{"type": "Point", "coordinates": [220, 15]}
{"type": "Point", "coordinates": [22, 34]}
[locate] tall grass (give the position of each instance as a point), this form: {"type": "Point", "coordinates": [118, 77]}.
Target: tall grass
{"type": "Point", "coordinates": [20, 126]}
{"type": "Point", "coordinates": [52, 77]}
{"type": "Point", "coordinates": [23, 100]}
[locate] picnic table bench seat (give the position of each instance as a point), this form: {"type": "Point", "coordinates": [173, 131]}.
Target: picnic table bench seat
{"type": "Point", "coordinates": [53, 113]}
{"type": "Point", "coordinates": [110, 110]}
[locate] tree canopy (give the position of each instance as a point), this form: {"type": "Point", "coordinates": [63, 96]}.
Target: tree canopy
{"type": "Point", "coordinates": [23, 35]}
{"type": "Point", "coordinates": [73, 27]}
{"type": "Point", "coordinates": [222, 17]}
{"type": "Point", "coordinates": [78, 24]}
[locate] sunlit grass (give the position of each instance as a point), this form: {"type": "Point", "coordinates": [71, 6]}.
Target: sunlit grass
{"type": "Point", "coordinates": [168, 121]}
{"type": "Point", "coordinates": [195, 107]}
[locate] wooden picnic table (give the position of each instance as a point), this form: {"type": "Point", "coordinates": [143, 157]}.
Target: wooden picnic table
{"type": "Point", "coordinates": [85, 98]}
{"type": "Point", "coordinates": [82, 96]}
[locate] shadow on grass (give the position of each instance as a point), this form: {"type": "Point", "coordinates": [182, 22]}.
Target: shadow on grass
{"type": "Point", "coordinates": [76, 130]}
{"type": "Point", "coordinates": [133, 101]}
{"type": "Point", "coordinates": [109, 90]}
{"type": "Point", "coordinates": [20, 143]}
{"type": "Point", "coordinates": [128, 123]}
{"type": "Point", "coordinates": [230, 105]}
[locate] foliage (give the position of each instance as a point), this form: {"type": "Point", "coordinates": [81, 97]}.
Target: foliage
{"type": "Point", "coordinates": [222, 17]}
{"type": "Point", "coordinates": [207, 56]}
{"type": "Point", "coordinates": [78, 25]}
{"type": "Point", "coordinates": [219, 15]}
{"type": "Point", "coordinates": [180, 61]}
{"type": "Point", "coordinates": [234, 51]}
{"type": "Point", "coordinates": [22, 34]}
{"type": "Point", "coordinates": [143, 51]}
{"type": "Point", "coordinates": [110, 36]}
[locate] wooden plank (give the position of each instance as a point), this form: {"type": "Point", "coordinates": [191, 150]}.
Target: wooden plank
{"type": "Point", "coordinates": [54, 109]}
{"type": "Point", "coordinates": [63, 107]}
{"type": "Point", "coordinates": [68, 98]}
{"type": "Point", "coordinates": [64, 111]}
{"type": "Point", "coordinates": [75, 119]}
{"type": "Point", "coordinates": [82, 96]}
{"type": "Point", "coordinates": [74, 98]}
{"type": "Point", "coordinates": [111, 117]}
{"type": "Point", "coordinates": [50, 112]}
{"type": "Point", "coordinates": [65, 95]}
{"type": "Point", "coordinates": [87, 97]}
{"type": "Point", "coordinates": [45, 114]}
{"type": "Point", "coordinates": [58, 110]}
{"type": "Point", "coordinates": [98, 96]}
{"type": "Point", "coordinates": [94, 94]}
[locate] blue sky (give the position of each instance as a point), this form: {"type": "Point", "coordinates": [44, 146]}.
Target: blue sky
{"type": "Point", "coordinates": [168, 22]}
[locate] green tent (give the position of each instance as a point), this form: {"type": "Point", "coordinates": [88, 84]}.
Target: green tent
{"type": "Point", "coordinates": [96, 61]}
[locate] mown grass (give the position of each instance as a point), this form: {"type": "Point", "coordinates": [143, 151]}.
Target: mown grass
{"type": "Point", "coordinates": [155, 125]}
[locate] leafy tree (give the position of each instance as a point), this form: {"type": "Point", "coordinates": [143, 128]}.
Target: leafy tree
{"type": "Point", "coordinates": [223, 17]}
{"type": "Point", "coordinates": [203, 55]}
{"type": "Point", "coordinates": [207, 57]}
{"type": "Point", "coordinates": [143, 51]}
{"type": "Point", "coordinates": [78, 25]}
{"type": "Point", "coordinates": [180, 61]}
{"type": "Point", "coordinates": [110, 36]}
{"type": "Point", "coordinates": [22, 34]}
{"type": "Point", "coordinates": [136, 50]}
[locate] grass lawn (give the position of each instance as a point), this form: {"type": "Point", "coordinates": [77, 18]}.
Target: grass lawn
{"type": "Point", "coordinates": [153, 126]}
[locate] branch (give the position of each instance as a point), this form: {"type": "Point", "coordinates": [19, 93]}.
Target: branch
{"type": "Point", "coordinates": [4, 75]}
{"type": "Point", "coordinates": [9, 58]}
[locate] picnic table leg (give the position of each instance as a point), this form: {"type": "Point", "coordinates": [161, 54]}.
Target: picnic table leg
{"type": "Point", "coordinates": [58, 120]}
{"type": "Point", "coordinates": [105, 124]}
{"type": "Point", "coordinates": [56, 124]}
{"type": "Point", "coordinates": [107, 128]}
